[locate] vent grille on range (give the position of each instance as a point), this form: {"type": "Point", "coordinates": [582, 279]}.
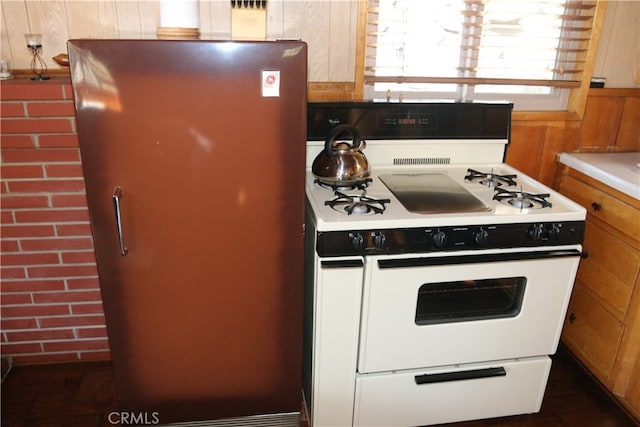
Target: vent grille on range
{"type": "Point", "coordinates": [422, 161]}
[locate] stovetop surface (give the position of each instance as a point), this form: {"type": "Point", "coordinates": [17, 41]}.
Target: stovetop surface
{"type": "Point", "coordinates": [443, 140]}
{"type": "Point", "coordinates": [396, 215]}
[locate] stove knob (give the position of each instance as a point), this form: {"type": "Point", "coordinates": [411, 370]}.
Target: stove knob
{"type": "Point", "coordinates": [553, 232]}
{"type": "Point", "coordinates": [481, 237]}
{"type": "Point", "coordinates": [357, 241]}
{"type": "Point", "coordinates": [379, 240]}
{"type": "Point", "coordinates": [535, 232]}
{"type": "Point", "coordinates": [439, 239]}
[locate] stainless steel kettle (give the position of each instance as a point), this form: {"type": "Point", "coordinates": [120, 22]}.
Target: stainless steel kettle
{"type": "Point", "coordinates": [341, 163]}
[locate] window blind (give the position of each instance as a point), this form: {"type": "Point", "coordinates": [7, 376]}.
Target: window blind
{"type": "Point", "coordinates": [520, 43]}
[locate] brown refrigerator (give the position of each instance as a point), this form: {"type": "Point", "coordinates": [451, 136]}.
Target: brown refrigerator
{"type": "Point", "coordinates": [194, 161]}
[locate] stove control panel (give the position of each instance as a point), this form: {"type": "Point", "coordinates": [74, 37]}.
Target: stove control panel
{"type": "Point", "coordinates": [452, 238]}
{"type": "Point", "coordinates": [551, 231]}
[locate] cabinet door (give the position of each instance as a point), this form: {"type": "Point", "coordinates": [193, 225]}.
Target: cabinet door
{"type": "Point", "coordinates": [592, 333]}
{"type": "Point", "coordinates": [609, 269]}
{"type": "Point", "coordinates": [632, 395]}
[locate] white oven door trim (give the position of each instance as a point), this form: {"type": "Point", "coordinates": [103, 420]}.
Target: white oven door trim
{"type": "Point", "coordinates": [391, 340]}
{"type": "Point", "coordinates": [336, 326]}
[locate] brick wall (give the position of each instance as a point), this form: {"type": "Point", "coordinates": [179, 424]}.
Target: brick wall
{"type": "Point", "coordinates": [50, 297]}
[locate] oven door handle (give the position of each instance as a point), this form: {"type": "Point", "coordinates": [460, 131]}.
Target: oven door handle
{"type": "Point", "coordinates": [460, 375]}
{"type": "Point", "coordinates": [474, 259]}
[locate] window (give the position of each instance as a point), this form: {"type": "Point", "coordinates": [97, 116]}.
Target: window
{"type": "Point", "coordinates": [525, 51]}
{"type": "Point", "coordinates": [469, 300]}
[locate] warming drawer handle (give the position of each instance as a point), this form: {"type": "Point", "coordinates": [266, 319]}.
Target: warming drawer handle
{"type": "Point", "coordinates": [117, 195]}
{"type": "Point", "coordinates": [460, 375]}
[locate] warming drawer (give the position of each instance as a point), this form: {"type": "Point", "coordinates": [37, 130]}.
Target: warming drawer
{"type": "Point", "coordinates": [451, 394]}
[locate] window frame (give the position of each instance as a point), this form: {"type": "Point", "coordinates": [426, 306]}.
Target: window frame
{"type": "Point", "coordinates": [576, 97]}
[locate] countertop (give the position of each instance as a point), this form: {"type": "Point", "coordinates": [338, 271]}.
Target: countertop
{"type": "Point", "coordinates": [620, 171]}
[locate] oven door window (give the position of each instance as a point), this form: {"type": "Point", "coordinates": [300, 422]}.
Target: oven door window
{"type": "Point", "coordinates": [469, 300]}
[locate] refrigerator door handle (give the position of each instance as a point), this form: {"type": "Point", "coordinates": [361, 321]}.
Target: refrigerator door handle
{"type": "Point", "coordinates": [117, 195]}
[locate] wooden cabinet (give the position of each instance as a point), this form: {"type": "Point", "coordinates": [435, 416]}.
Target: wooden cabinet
{"type": "Point", "coordinates": [602, 327]}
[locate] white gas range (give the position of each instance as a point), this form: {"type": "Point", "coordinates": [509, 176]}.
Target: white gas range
{"type": "Point", "coordinates": [444, 277]}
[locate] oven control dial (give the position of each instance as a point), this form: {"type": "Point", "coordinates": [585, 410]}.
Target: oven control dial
{"type": "Point", "coordinates": [357, 241]}
{"type": "Point", "coordinates": [439, 239]}
{"type": "Point", "coordinates": [553, 231]}
{"type": "Point", "coordinates": [481, 236]}
{"type": "Point", "coordinates": [379, 240]}
{"type": "Point", "coordinates": [535, 232]}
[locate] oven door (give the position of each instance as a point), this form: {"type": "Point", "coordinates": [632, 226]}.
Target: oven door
{"type": "Point", "coordinates": [463, 308]}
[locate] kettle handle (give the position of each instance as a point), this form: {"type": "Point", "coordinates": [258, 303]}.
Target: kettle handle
{"type": "Point", "coordinates": [336, 132]}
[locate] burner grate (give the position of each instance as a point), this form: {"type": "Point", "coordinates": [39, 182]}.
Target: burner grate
{"type": "Point", "coordinates": [359, 204]}
{"type": "Point", "coordinates": [521, 199]}
{"type": "Point", "coordinates": [490, 179]}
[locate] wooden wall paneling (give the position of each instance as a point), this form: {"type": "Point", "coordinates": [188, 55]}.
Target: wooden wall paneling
{"type": "Point", "coordinates": [5, 47]}
{"type": "Point", "coordinates": [50, 19]}
{"type": "Point", "coordinates": [275, 19]}
{"type": "Point", "coordinates": [206, 19]}
{"type": "Point", "coordinates": [629, 132]}
{"type": "Point", "coordinates": [361, 47]}
{"type": "Point", "coordinates": [128, 23]}
{"type": "Point", "coordinates": [342, 41]}
{"type": "Point", "coordinates": [525, 149]}
{"type": "Point", "coordinates": [560, 136]}
{"type": "Point", "coordinates": [95, 19]}
{"type": "Point", "coordinates": [331, 91]}
{"type": "Point", "coordinates": [600, 124]}
{"type": "Point", "coordinates": [617, 50]}
{"type": "Point", "coordinates": [309, 21]}
{"type": "Point", "coordinates": [149, 17]}
{"type": "Point", "coordinates": [215, 19]}
{"type": "Point", "coordinates": [14, 22]}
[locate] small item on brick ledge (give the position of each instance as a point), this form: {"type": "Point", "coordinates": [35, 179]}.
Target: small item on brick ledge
{"type": "Point", "coordinates": [62, 59]}
{"type": "Point", "coordinates": [6, 69]}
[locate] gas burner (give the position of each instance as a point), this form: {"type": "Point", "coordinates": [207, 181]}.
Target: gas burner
{"type": "Point", "coordinates": [355, 185]}
{"type": "Point", "coordinates": [490, 179]}
{"type": "Point", "coordinates": [522, 200]}
{"type": "Point", "coordinates": [359, 204]}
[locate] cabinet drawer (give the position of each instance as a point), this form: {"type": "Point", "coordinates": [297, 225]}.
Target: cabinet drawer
{"type": "Point", "coordinates": [592, 333]}
{"type": "Point", "coordinates": [603, 206]}
{"type": "Point", "coordinates": [446, 394]}
{"type": "Point", "coordinates": [610, 269]}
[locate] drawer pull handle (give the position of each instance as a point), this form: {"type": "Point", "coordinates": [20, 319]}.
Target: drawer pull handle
{"type": "Point", "coordinates": [572, 318]}
{"type": "Point", "coordinates": [460, 376]}
{"type": "Point", "coordinates": [596, 206]}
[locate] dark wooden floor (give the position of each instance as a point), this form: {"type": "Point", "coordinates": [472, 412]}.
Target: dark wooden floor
{"type": "Point", "coordinates": [83, 394]}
